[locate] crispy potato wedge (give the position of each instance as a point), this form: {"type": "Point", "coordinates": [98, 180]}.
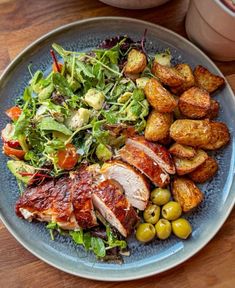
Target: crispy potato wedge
{"type": "Point", "coordinates": [207, 80]}
{"type": "Point", "coordinates": [182, 151]}
{"type": "Point", "coordinates": [194, 103]}
{"type": "Point", "coordinates": [136, 62]}
{"type": "Point", "coordinates": [185, 166]}
{"type": "Point", "coordinates": [186, 193]}
{"type": "Point", "coordinates": [220, 136]}
{"type": "Point", "coordinates": [158, 97]}
{"type": "Point", "coordinates": [158, 125]}
{"type": "Point", "coordinates": [167, 75]}
{"type": "Point", "coordinates": [214, 110]}
{"type": "Point", "coordinates": [186, 71]}
{"type": "Point", "coordinates": [191, 132]}
{"type": "Point", "coordinates": [205, 171]}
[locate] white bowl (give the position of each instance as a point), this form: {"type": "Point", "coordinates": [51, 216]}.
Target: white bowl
{"type": "Point", "coordinates": [134, 4]}
{"type": "Point", "coordinates": [211, 25]}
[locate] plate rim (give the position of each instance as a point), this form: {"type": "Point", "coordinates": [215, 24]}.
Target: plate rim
{"type": "Point", "coordinates": [47, 35]}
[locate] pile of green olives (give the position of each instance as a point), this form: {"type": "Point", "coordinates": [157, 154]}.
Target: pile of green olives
{"type": "Point", "coordinates": [162, 221]}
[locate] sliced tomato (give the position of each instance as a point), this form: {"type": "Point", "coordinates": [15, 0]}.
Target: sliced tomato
{"type": "Point", "coordinates": [7, 135]}
{"type": "Point", "coordinates": [14, 113]}
{"type": "Point", "coordinates": [68, 157]}
{"type": "Point", "coordinates": [12, 152]}
{"type": "Point", "coordinates": [54, 67]}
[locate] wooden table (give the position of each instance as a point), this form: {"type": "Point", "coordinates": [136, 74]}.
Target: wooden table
{"type": "Point", "coordinates": [21, 22]}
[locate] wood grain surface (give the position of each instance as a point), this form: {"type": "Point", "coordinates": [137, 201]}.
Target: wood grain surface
{"type": "Point", "coordinates": [21, 22]}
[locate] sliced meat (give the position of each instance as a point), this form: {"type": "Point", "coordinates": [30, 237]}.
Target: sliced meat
{"type": "Point", "coordinates": [50, 201]}
{"type": "Point", "coordinates": [114, 207]}
{"type": "Point", "coordinates": [82, 188]}
{"type": "Point", "coordinates": [140, 160]}
{"type": "Point", "coordinates": [155, 151]}
{"type": "Point", "coordinates": [135, 184]}
{"type": "Point", "coordinates": [66, 201]}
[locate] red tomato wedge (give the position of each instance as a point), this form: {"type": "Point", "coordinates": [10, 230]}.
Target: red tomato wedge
{"type": "Point", "coordinates": [12, 152]}
{"type": "Point", "coordinates": [14, 113]}
{"type": "Point", "coordinates": [68, 157]}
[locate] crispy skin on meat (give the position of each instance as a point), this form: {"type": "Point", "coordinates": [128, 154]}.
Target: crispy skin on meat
{"type": "Point", "coordinates": [140, 160]}
{"type": "Point", "coordinates": [82, 188]}
{"type": "Point", "coordinates": [114, 207]}
{"type": "Point", "coordinates": [155, 151]}
{"type": "Point", "coordinates": [66, 201]}
{"type": "Point", "coordinates": [133, 182]}
{"type": "Point", "coordinates": [50, 201]}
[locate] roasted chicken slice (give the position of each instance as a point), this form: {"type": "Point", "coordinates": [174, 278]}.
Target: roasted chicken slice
{"type": "Point", "coordinates": [135, 184]}
{"type": "Point", "coordinates": [66, 201]}
{"type": "Point", "coordinates": [140, 160]}
{"type": "Point", "coordinates": [82, 188]}
{"type": "Point", "coordinates": [114, 207]}
{"type": "Point", "coordinates": [155, 151]}
{"type": "Point", "coordinates": [50, 201]}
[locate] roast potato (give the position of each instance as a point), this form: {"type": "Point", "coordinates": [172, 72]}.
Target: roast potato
{"type": "Point", "coordinates": [167, 75]}
{"type": "Point", "coordinates": [214, 110]}
{"type": "Point", "coordinates": [182, 151]}
{"type": "Point", "coordinates": [158, 97]}
{"type": "Point", "coordinates": [206, 80]}
{"type": "Point", "coordinates": [136, 62]}
{"type": "Point", "coordinates": [194, 103]}
{"type": "Point", "coordinates": [185, 166]}
{"type": "Point", "coordinates": [191, 132]}
{"type": "Point", "coordinates": [219, 136]}
{"type": "Point", "coordinates": [186, 193]}
{"type": "Point", "coordinates": [158, 125]}
{"type": "Point", "coordinates": [186, 71]}
{"type": "Point", "coordinates": [205, 171]}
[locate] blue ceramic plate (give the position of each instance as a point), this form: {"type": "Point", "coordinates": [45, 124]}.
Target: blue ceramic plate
{"type": "Point", "coordinates": [148, 259]}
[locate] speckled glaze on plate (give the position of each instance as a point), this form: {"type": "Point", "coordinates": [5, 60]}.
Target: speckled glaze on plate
{"type": "Point", "coordinates": [145, 260]}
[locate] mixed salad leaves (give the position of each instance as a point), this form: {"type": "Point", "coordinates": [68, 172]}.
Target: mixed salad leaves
{"type": "Point", "coordinates": [70, 115]}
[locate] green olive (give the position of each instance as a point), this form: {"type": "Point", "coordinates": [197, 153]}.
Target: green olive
{"type": "Point", "coordinates": [152, 213]}
{"type": "Point", "coordinates": [160, 196]}
{"type": "Point", "coordinates": [181, 228]}
{"type": "Point", "coordinates": [163, 229]}
{"type": "Point", "coordinates": [145, 232]}
{"type": "Point", "coordinates": [171, 210]}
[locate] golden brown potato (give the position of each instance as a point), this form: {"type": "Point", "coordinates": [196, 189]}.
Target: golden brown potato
{"type": "Point", "coordinates": [206, 80]}
{"type": "Point", "coordinates": [185, 166]}
{"type": "Point", "coordinates": [186, 193]}
{"type": "Point", "coordinates": [167, 75]}
{"type": "Point", "coordinates": [165, 141]}
{"type": "Point", "coordinates": [214, 110]}
{"type": "Point", "coordinates": [186, 71]}
{"type": "Point", "coordinates": [159, 97]}
{"type": "Point", "coordinates": [158, 125]}
{"type": "Point", "coordinates": [205, 171]}
{"type": "Point", "coordinates": [191, 132]}
{"type": "Point", "coordinates": [194, 103]}
{"type": "Point", "coordinates": [219, 136]}
{"type": "Point", "coordinates": [182, 151]}
{"type": "Point", "coordinates": [136, 62]}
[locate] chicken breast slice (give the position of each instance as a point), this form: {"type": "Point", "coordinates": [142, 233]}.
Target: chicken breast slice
{"type": "Point", "coordinates": [49, 202]}
{"type": "Point", "coordinates": [109, 200]}
{"type": "Point", "coordinates": [82, 187]}
{"type": "Point", "coordinates": [140, 160]}
{"type": "Point", "coordinates": [135, 185]}
{"type": "Point", "coordinates": [155, 151]}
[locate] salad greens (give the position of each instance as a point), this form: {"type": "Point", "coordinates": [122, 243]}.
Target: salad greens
{"type": "Point", "coordinates": [76, 105]}
{"type": "Point", "coordinates": [83, 105]}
